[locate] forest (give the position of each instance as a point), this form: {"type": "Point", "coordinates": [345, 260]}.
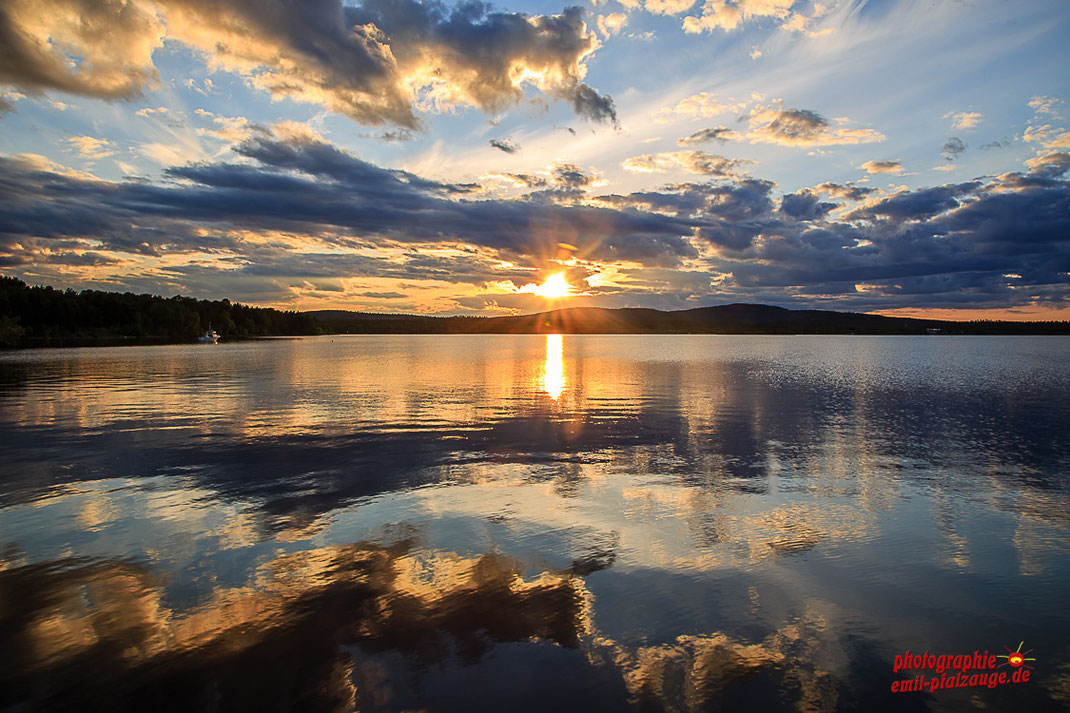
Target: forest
{"type": "Point", "coordinates": [44, 316]}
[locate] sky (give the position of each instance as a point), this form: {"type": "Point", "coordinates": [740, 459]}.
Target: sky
{"type": "Point", "coordinates": [900, 157]}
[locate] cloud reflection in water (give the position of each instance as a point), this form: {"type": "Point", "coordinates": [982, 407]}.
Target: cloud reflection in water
{"type": "Point", "coordinates": [396, 523]}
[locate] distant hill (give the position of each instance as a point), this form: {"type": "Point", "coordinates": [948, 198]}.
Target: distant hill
{"type": "Point", "coordinates": [722, 319]}
{"type": "Point", "coordinates": [325, 315]}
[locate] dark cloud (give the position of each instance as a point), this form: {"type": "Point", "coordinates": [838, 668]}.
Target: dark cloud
{"type": "Point", "coordinates": [569, 175]}
{"type": "Point", "coordinates": [798, 123]}
{"type": "Point", "coordinates": [358, 60]}
{"type": "Point", "coordinates": [996, 145]}
{"type": "Point", "coordinates": [309, 187]}
{"type": "Point", "coordinates": [590, 104]}
{"type": "Point", "coordinates": [292, 212]}
{"type": "Point", "coordinates": [805, 205]}
{"type": "Point", "coordinates": [384, 295]}
{"type": "Point", "coordinates": [953, 148]}
{"type": "Point", "coordinates": [727, 214]}
{"type": "Point", "coordinates": [6, 106]}
{"type": "Point", "coordinates": [398, 136]}
{"type": "Point", "coordinates": [917, 205]}
{"type": "Point", "coordinates": [991, 245]}
{"type": "Point", "coordinates": [946, 246]}
{"type": "Point", "coordinates": [506, 145]}
{"type": "Point", "coordinates": [568, 184]}
{"type": "Point", "coordinates": [520, 179]}
{"type": "Point", "coordinates": [525, 180]}
{"type": "Point", "coordinates": [719, 133]}
{"type": "Point", "coordinates": [801, 127]}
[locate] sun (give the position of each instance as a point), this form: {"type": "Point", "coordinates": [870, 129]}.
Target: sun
{"type": "Point", "coordinates": [555, 287]}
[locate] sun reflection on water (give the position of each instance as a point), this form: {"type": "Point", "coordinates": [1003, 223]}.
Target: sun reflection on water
{"type": "Point", "coordinates": [553, 370]}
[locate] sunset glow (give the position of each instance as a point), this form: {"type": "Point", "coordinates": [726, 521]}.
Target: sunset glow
{"type": "Point", "coordinates": [555, 287]}
{"type": "Point", "coordinates": [440, 158]}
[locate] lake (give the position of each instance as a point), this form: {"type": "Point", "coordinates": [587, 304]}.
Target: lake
{"type": "Point", "coordinates": [526, 522]}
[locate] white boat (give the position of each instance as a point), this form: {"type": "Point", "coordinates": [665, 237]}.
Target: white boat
{"type": "Point", "coordinates": [209, 337]}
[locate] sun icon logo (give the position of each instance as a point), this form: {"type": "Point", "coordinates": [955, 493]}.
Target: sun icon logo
{"type": "Point", "coordinates": [1016, 658]}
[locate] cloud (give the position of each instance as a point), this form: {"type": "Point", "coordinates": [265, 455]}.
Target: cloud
{"type": "Point", "coordinates": [90, 147]}
{"type": "Point", "coordinates": [113, 41]}
{"type": "Point", "coordinates": [8, 97]}
{"type": "Point", "coordinates": [917, 205]}
{"type": "Point", "coordinates": [802, 127]}
{"type": "Point", "coordinates": [204, 88]}
{"type": "Point", "coordinates": [507, 145]}
{"type": "Point", "coordinates": [953, 148]}
{"type": "Point", "coordinates": [767, 123]}
{"type": "Point", "coordinates": [519, 180]}
{"type": "Point", "coordinates": [718, 133]}
{"type": "Point", "coordinates": [698, 162]}
{"type": "Point", "coordinates": [1046, 105]}
{"type": "Point", "coordinates": [1050, 165]}
{"type": "Point", "coordinates": [703, 104]}
{"type": "Point", "coordinates": [589, 104]}
{"type": "Point", "coordinates": [726, 15]}
{"type": "Point", "coordinates": [303, 186]}
{"type": "Point", "coordinates": [612, 23]}
{"type": "Point", "coordinates": [398, 136]}
{"type": "Point", "coordinates": [294, 208]}
{"type": "Point", "coordinates": [568, 175]}
{"type": "Point", "coordinates": [227, 128]}
{"type": "Point", "coordinates": [882, 167]}
{"type": "Point", "coordinates": [149, 111]}
{"type": "Point", "coordinates": [805, 205]}
{"type": "Point", "coordinates": [365, 61]}
{"type": "Point", "coordinates": [964, 120]}
{"type": "Point", "coordinates": [798, 22]}
{"type": "Point", "coordinates": [846, 192]}
{"type": "Point", "coordinates": [1047, 136]}
{"type": "Point", "coordinates": [668, 7]}
{"type": "Point", "coordinates": [561, 184]}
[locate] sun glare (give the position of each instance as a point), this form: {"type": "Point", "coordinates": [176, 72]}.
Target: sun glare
{"type": "Point", "coordinates": [554, 287]}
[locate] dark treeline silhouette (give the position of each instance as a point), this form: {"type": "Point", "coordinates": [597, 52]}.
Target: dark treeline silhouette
{"type": "Point", "coordinates": [724, 319]}
{"type": "Point", "coordinates": [43, 316]}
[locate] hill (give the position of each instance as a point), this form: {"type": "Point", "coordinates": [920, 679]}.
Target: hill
{"type": "Point", "coordinates": [722, 319]}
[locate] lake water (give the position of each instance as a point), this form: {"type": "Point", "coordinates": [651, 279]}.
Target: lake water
{"type": "Point", "coordinates": [465, 523]}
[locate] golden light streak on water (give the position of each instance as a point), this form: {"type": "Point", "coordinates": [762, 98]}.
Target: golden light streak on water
{"type": "Point", "coordinates": [553, 370]}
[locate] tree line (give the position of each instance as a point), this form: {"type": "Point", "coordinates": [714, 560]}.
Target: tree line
{"type": "Point", "coordinates": [37, 315]}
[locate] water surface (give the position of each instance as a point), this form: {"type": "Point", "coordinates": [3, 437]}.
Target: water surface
{"type": "Point", "coordinates": [458, 523]}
